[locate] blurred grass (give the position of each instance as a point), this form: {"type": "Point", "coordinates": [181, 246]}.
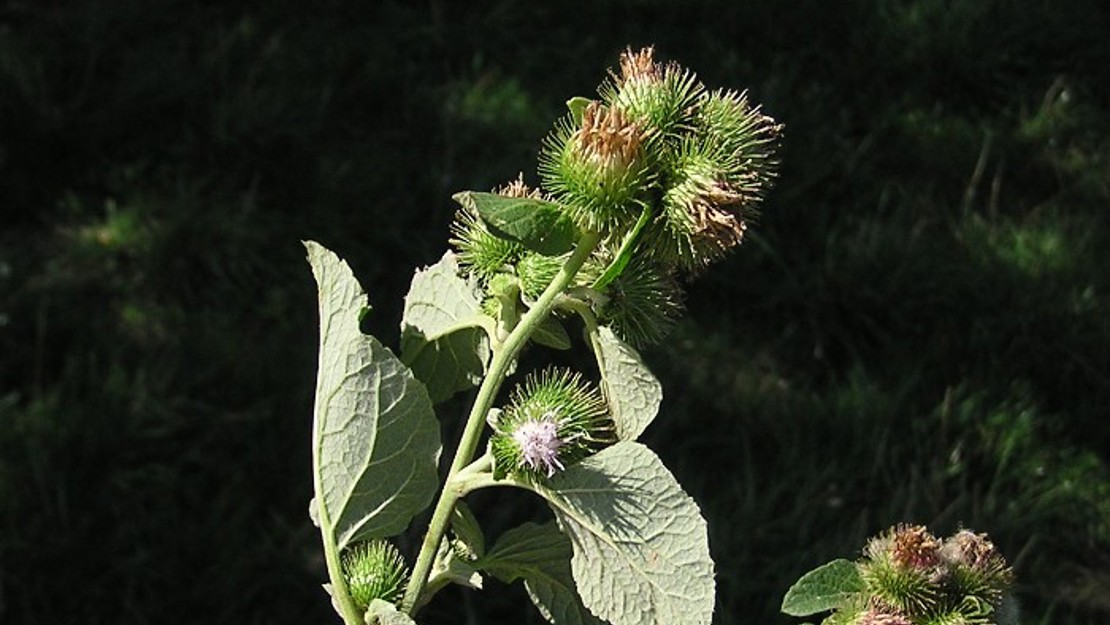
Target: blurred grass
{"type": "Point", "coordinates": [916, 331]}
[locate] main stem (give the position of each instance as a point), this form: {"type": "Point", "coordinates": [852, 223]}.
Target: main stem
{"type": "Point", "coordinates": [503, 358]}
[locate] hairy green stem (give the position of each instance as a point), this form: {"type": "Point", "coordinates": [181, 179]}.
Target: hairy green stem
{"type": "Point", "coordinates": [582, 309]}
{"type": "Point", "coordinates": [487, 392]}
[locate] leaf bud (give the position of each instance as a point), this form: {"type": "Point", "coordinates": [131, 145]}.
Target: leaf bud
{"type": "Point", "coordinates": [536, 271]}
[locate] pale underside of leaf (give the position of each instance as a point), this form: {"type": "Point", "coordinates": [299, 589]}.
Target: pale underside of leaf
{"type": "Point", "coordinates": [375, 435]}
{"type": "Point", "coordinates": [641, 551]}
{"type": "Point", "coordinates": [442, 338]}
{"type": "Point", "coordinates": [384, 613]}
{"type": "Point", "coordinates": [631, 390]}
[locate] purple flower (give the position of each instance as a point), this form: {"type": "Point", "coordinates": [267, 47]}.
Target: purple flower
{"type": "Point", "coordinates": [539, 443]}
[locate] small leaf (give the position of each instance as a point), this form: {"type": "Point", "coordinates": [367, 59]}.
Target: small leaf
{"type": "Point", "coordinates": [551, 333]}
{"type": "Point", "coordinates": [465, 527]}
{"type": "Point", "coordinates": [536, 224]}
{"type": "Point", "coordinates": [441, 335]}
{"type": "Point", "coordinates": [375, 436]}
{"type": "Point", "coordinates": [576, 106]}
{"type": "Point", "coordinates": [824, 588]}
{"type": "Point", "coordinates": [493, 417]}
{"type": "Point", "coordinates": [540, 555]}
{"type": "Point", "coordinates": [451, 568]}
{"type": "Point", "coordinates": [633, 393]}
{"type": "Point", "coordinates": [385, 613]}
{"type": "Point", "coordinates": [641, 549]}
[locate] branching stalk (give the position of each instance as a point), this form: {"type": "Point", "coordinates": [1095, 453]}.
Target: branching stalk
{"type": "Point", "coordinates": [503, 357]}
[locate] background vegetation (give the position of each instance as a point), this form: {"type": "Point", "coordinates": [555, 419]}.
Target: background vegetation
{"type": "Point", "coordinates": [918, 328]}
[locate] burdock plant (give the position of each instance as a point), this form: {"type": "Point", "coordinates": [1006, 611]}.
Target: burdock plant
{"type": "Point", "coordinates": [641, 189]}
{"type": "Point", "coordinates": [907, 576]}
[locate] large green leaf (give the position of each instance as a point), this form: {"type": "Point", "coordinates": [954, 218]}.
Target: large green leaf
{"type": "Point", "coordinates": [641, 549]}
{"type": "Point", "coordinates": [375, 436]}
{"type": "Point", "coordinates": [536, 224]}
{"type": "Point", "coordinates": [540, 555]}
{"type": "Point", "coordinates": [824, 588]}
{"type": "Point", "coordinates": [633, 393]}
{"type": "Point", "coordinates": [441, 334]}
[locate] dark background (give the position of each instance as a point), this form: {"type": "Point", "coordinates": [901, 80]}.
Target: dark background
{"type": "Point", "coordinates": [917, 329]}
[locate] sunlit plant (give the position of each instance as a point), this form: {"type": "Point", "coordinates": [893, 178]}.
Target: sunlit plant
{"type": "Point", "coordinates": [907, 576]}
{"type": "Point", "coordinates": [641, 190]}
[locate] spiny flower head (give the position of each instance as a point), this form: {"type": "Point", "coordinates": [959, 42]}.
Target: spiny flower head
{"type": "Point", "coordinates": [702, 211]}
{"type": "Point", "coordinates": [553, 419]}
{"type": "Point", "coordinates": [975, 566]}
{"type": "Point", "coordinates": [699, 161]}
{"type": "Point", "coordinates": [641, 304]}
{"type": "Point", "coordinates": [913, 547]}
{"type": "Point", "coordinates": [660, 97]}
{"type": "Point", "coordinates": [962, 579]}
{"type": "Point", "coordinates": [595, 167]}
{"type": "Point", "coordinates": [715, 179]}
{"type": "Point", "coordinates": [713, 156]}
{"type": "Point", "coordinates": [729, 124]}
{"type": "Point", "coordinates": [900, 568]}
{"type": "Point", "coordinates": [374, 570]}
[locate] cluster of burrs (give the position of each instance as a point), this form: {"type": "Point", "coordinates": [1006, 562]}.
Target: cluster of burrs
{"type": "Point", "coordinates": [914, 578]}
{"type": "Point", "coordinates": [667, 171]}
